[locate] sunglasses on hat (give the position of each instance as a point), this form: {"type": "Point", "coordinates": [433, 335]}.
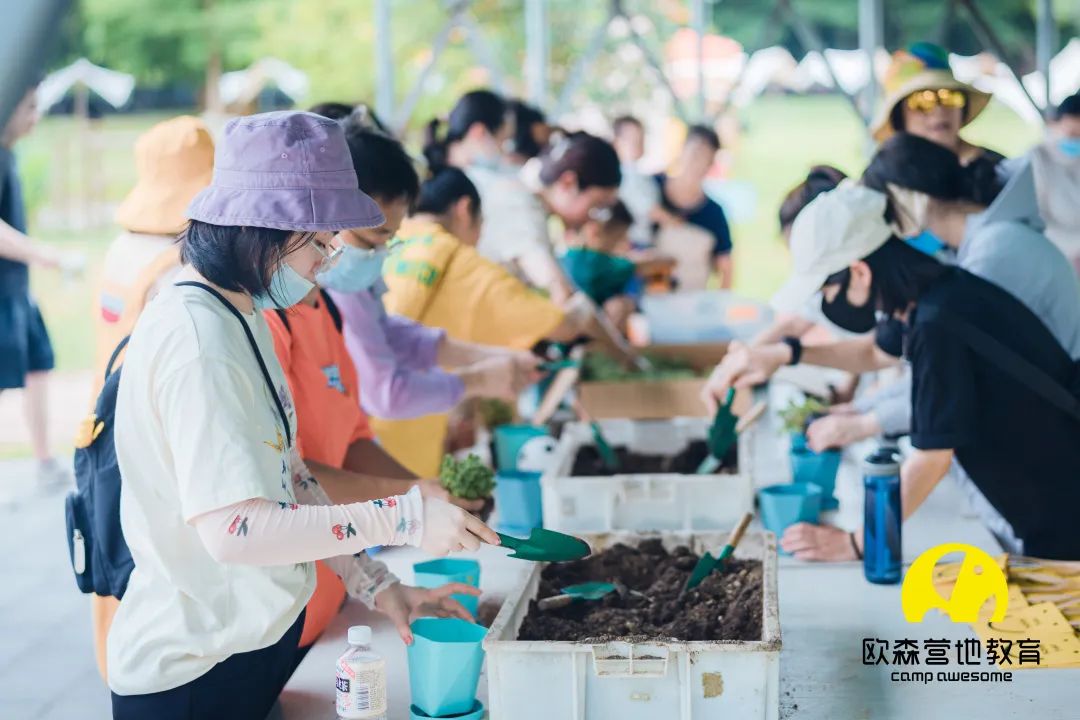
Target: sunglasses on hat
{"type": "Point", "coordinates": [925, 101]}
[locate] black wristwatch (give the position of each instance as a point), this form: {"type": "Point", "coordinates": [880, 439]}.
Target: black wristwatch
{"type": "Point", "coordinates": [796, 348]}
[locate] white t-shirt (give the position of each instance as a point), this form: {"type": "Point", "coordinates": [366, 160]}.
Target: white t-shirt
{"type": "Point", "coordinates": [641, 194]}
{"type": "Point", "coordinates": [197, 430]}
{"type": "Point", "coordinates": [515, 223]}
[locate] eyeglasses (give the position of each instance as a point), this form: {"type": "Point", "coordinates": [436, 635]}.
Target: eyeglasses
{"type": "Point", "coordinates": [925, 101]}
{"type": "Point", "coordinates": [328, 259]}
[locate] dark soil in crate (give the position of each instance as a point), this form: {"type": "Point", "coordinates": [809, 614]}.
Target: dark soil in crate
{"type": "Point", "coordinates": [725, 606]}
{"type": "Point", "coordinates": [589, 463]}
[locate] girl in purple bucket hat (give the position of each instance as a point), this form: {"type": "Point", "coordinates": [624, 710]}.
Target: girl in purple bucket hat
{"type": "Point", "coordinates": [222, 518]}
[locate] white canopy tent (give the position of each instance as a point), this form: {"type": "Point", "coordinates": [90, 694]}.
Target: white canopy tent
{"type": "Point", "coordinates": [112, 86]}
{"type": "Point", "coordinates": [243, 86]}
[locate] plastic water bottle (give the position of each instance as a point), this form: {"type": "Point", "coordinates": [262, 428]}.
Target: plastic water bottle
{"type": "Point", "coordinates": [361, 679]}
{"type": "Point", "coordinates": [882, 516]}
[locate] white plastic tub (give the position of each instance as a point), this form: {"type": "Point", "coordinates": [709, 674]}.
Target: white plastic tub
{"type": "Point", "coordinates": [644, 502]}
{"type": "Point", "coordinates": [656, 680]}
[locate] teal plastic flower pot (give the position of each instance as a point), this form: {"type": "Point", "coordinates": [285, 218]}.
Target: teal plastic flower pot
{"type": "Point", "coordinates": [782, 506]}
{"type": "Point", "coordinates": [798, 441]}
{"type": "Point", "coordinates": [436, 573]}
{"type": "Point", "coordinates": [444, 665]}
{"type": "Point", "coordinates": [508, 441]}
{"type": "Point", "coordinates": [820, 469]}
{"type": "Point", "coordinates": [477, 713]}
{"type": "Point", "coordinates": [518, 500]}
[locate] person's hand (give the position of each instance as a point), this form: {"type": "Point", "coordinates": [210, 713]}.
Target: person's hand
{"type": "Point", "coordinates": [526, 369]}
{"type": "Point", "coordinates": [840, 430]}
{"type": "Point", "coordinates": [743, 366]}
{"type": "Point", "coordinates": [448, 528]}
{"type": "Point", "coordinates": [404, 603]}
{"type": "Point", "coordinates": [432, 488]}
{"type": "Point", "coordinates": [818, 542]}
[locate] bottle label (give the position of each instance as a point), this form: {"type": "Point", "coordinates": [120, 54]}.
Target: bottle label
{"type": "Point", "coordinates": [361, 693]}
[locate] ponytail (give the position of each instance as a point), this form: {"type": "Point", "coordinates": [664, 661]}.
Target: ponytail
{"type": "Point", "coordinates": [479, 106]}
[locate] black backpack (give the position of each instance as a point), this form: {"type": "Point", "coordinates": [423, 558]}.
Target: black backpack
{"type": "Point", "coordinates": [99, 554]}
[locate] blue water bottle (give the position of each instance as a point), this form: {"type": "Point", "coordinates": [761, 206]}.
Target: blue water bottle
{"type": "Point", "coordinates": [882, 516]}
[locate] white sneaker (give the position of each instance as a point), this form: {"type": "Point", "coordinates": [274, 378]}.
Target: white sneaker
{"type": "Point", "coordinates": [51, 475]}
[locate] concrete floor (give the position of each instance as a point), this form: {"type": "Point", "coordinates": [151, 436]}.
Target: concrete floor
{"type": "Point", "coordinates": [47, 669]}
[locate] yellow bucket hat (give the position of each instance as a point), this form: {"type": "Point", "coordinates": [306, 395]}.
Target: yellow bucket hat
{"type": "Point", "coordinates": [922, 66]}
{"type": "Point", "coordinates": [174, 160]}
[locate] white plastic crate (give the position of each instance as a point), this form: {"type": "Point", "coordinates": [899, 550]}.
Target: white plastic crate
{"type": "Point", "coordinates": [644, 502]}
{"type": "Point", "coordinates": [673, 680]}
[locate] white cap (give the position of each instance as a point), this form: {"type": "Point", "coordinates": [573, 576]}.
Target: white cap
{"type": "Point", "coordinates": [836, 229]}
{"type": "Point", "coordinates": [359, 635]}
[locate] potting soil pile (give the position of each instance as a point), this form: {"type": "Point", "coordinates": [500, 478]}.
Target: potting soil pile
{"type": "Point", "coordinates": [726, 606]}
{"type": "Point", "coordinates": [589, 463]}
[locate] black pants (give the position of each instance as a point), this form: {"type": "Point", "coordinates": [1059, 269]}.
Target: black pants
{"type": "Point", "coordinates": [244, 687]}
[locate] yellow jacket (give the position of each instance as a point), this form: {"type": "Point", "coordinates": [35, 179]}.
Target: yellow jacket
{"type": "Point", "coordinates": [439, 281]}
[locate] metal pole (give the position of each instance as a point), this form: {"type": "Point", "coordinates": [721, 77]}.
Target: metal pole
{"type": "Point", "coordinates": [384, 61]}
{"type": "Point", "coordinates": [577, 72]}
{"type": "Point", "coordinates": [871, 37]}
{"type": "Point", "coordinates": [536, 52]}
{"type": "Point", "coordinates": [1045, 44]}
{"type": "Point", "coordinates": [482, 51]}
{"type": "Point", "coordinates": [989, 39]}
{"type": "Point", "coordinates": [437, 48]}
{"type": "Point", "coordinates": [811, 40]}
{"type": "Point", "coordinates": [697, 14]}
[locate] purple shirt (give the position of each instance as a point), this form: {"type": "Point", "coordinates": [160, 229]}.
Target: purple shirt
{"type": "Point", "coordinates": [395, 359]}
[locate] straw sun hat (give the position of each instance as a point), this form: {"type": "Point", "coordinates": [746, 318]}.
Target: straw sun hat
{"type": "Point", "coordinates": [174, 160]}
{"type": "Point", "coordinates": [922, 66]}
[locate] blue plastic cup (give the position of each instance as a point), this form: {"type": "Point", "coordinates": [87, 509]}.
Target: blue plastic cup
{"type": "Point", "coordinates": [436, 573]}
{"type": "Point", "coordinates": [444, 665]}
{"type": "Point", "coordinates": [820, 469]}
{"type": "Point", "coordinates": [508, 441]}
{"type": "Point", "coordinates": [784, 505]}
{"type": "Point", "coordinates": [518, 502]}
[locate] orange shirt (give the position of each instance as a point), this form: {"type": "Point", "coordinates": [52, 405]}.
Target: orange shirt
{"type": "Point", "coordinates": [323, 381]}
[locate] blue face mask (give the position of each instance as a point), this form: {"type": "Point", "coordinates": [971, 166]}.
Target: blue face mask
{"type": "Point", "coordinates": [1069, 147]}
{"type": "Point", "coordinates": [355, 270]}
{"type": "Point", "coordinates": [926, 242]}
{"type": "Point", "coordinates": [287, 288]}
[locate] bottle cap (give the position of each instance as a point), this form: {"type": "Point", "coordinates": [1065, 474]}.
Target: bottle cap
{"type": "Point", "coordinates": [882, 463]}
{"type": "Point", "coordinates": [359, 635]}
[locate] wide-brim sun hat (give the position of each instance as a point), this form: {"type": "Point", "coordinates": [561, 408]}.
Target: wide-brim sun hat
{"type": "Point", "coordinates": [174, 160]}
{"type": "Point", "coordinates": [837, 228]}
{"type": "Point", "coordinates": [922, 66]}
{"type": "Point", "coordinates": [288, 171]}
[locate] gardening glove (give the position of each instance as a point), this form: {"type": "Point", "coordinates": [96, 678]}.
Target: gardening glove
{"type": "Point", "coordinates": [403, 604]}
{"type": "Point", "coordinates": [448, 529]}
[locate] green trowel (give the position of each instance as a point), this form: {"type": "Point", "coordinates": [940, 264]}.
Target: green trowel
{"type": "Point", "coordinates": [584, 591]}
{"type": "Point", "coordinates": [725, 431]}
{"type": "Point", "coordinates": [708, 561]}
{"type": "Point", "coordinates": [546, 545]}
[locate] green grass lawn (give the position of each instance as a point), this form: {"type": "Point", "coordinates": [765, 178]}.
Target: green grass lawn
{"type": "Point", "coordinates": [782, 137]}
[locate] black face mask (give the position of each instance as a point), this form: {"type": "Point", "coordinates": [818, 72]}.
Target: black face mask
{"type": "Point", "coordinates": [889, 336]}
{"type": "Point", "coordinates": [853, 318]}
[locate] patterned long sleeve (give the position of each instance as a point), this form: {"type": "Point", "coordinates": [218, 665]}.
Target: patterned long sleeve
{"type": "Point", "coordinates": [263, 532]}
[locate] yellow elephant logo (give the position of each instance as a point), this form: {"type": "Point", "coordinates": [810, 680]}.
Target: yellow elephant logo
{"type": "Point", "coordinates": [978, 580]}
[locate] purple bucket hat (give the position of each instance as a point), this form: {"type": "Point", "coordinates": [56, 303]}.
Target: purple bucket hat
{"type": "Point", "coordinates": [285, 170]}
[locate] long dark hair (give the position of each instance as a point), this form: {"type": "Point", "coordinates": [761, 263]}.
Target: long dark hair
{"type": "Point", "coordinates": [525, 116]}
{"type": "Point", "coordinates": [918, 164]}
{"type": "Point", "coordinates": [900, 275]}
{"type": "Point", "coordinates": [240, 259]}
{"type": "Point", "coordinates": [821, 178]}
{"type": "Point", "coordinates": [479, 106]}
{"type": "Point", "coordinates": [444, 188]}
{"type": "Point", "coordinates": [592, 159]}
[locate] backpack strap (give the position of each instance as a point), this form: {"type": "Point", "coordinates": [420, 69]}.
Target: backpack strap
{"type": "Point", "coordinates": [254, 348]}
{"type": "Point", "coordinates": [331, 307]}
{"type": "Point", "coordinates": [1010, 362]}
{"type": "Point", "coordinates": [284, 317]}
{"type": "Point", "coordinates": [115, 354]}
